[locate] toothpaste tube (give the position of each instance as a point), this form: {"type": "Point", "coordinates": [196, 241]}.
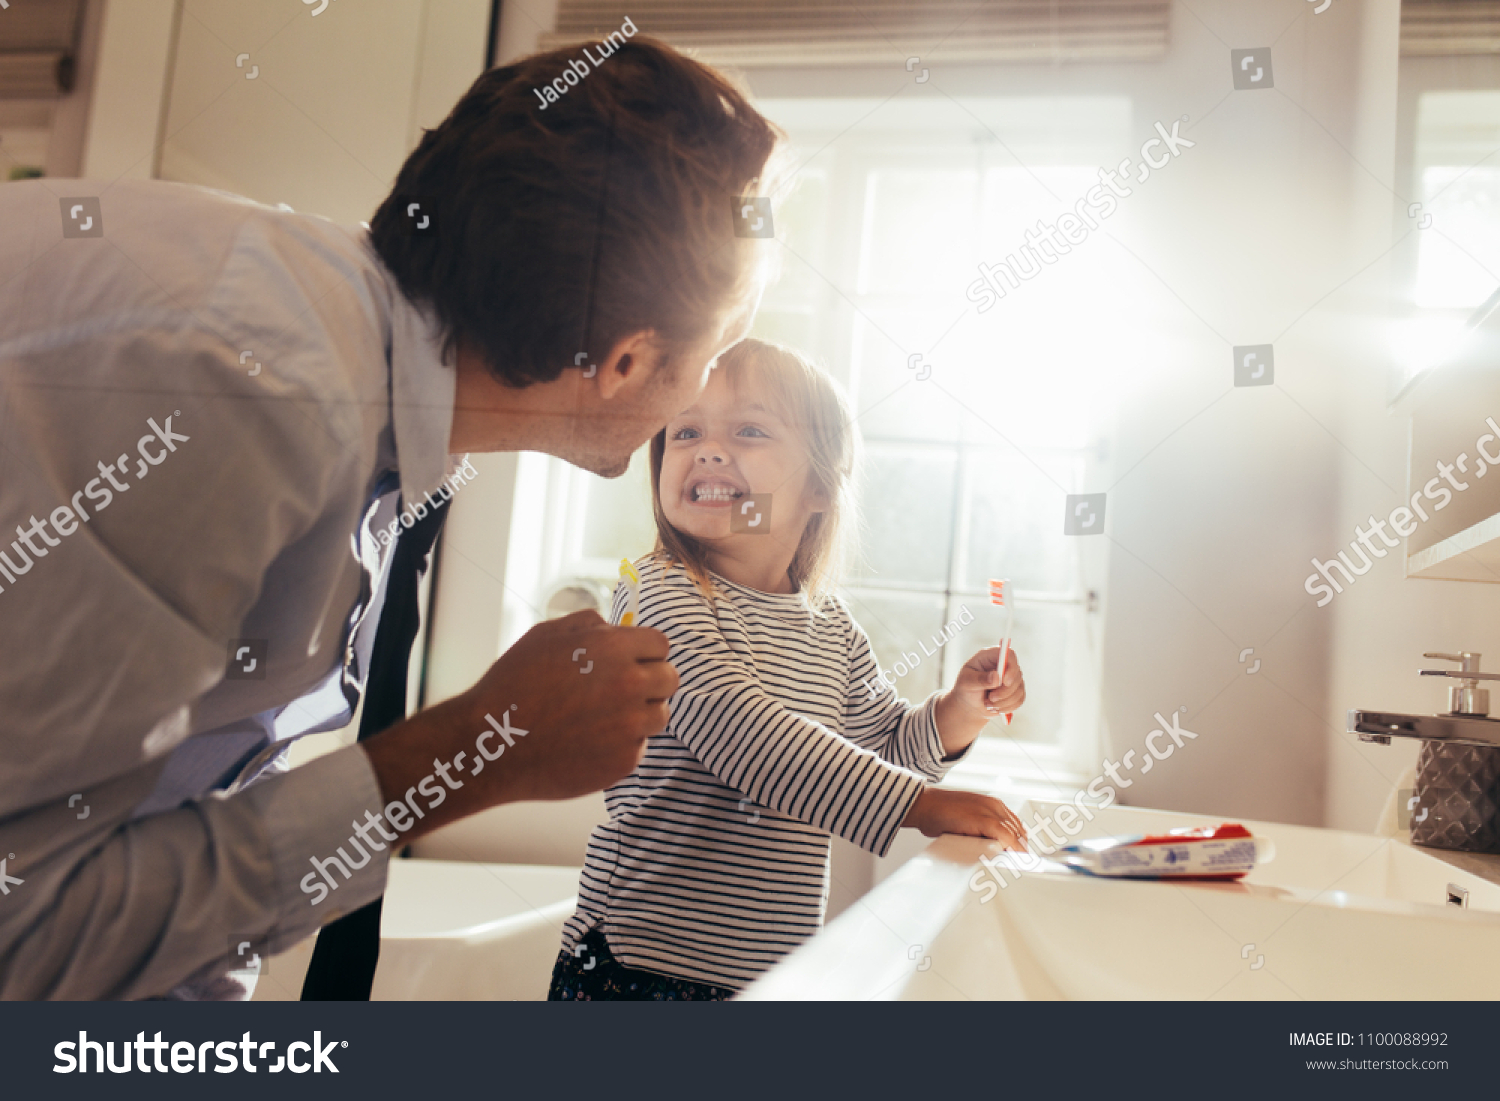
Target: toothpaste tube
{"type": "Point", "coordinates": [1202, 852]}
{"type": "Point", "coordinates": [632, 582]}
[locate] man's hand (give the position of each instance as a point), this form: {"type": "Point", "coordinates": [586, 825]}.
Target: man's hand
{"type": "Point", "coordinates": [587, 694]}
{"type": "Point", "coordinates": [938, 811]}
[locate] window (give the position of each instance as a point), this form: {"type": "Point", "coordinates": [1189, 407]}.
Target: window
{"type": "Point", "coordinates": [1457, 225]}
{"type": "Point", "coordinates": [964, 470]}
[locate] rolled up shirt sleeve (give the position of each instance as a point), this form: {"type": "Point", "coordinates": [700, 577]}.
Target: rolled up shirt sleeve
{"type": "Point", "coordinates": [128, 908]}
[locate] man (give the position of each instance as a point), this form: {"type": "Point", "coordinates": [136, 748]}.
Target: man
{"type": "Point", "coordinates": [207, 408]}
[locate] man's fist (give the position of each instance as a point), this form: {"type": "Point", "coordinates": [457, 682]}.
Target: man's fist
{"type": "Point", "coordinates": [589, 694]}
{"type": "Point", "coordinates": [564, 712]}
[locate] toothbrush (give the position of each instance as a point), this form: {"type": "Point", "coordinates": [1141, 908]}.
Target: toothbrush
{"type": "Point", "coordinates": [633, 584]}
{"type": "Point", "coordinates": [1000, 596]}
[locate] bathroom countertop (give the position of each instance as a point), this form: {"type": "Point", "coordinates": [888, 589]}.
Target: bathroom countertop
{"type": "Point", "coordinates": [962, 920]}
{"type": "Point", "coordinates": [1484, 865]}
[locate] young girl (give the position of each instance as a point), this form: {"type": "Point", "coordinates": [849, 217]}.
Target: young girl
{"type": "Point", "coordinates": [714, 862]}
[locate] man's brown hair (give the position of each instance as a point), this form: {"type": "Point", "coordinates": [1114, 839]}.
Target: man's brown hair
{"type": "Point", "coordinates": [562, 230]}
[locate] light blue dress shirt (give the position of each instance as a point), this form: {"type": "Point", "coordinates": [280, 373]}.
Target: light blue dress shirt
{"type": "Point", "coordinates": [198, 397]}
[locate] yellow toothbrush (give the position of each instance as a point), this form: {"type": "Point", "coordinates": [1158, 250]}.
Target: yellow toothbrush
{"type": "Point", "coordinates": [633, 584]}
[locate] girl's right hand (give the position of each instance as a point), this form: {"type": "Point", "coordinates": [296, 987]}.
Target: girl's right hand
{"type": "Point", "coordinates": [938, 811]}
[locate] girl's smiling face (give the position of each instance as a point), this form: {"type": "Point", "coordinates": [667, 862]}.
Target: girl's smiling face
{"type": "Point", "coordinates": [729, 445]}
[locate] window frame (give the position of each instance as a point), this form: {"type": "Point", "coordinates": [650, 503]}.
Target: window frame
{"type": "Point", "coordinates": [1069, 758]}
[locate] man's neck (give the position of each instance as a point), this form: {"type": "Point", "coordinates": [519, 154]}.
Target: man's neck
{"type": "Point", "coordinates": [491, 416]}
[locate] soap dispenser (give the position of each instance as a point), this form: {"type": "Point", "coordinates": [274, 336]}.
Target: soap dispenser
{"type": "Point", "coordinates": [1457, 796]}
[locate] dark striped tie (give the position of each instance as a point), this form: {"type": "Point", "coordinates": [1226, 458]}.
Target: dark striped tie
{"type": "Point", "coordinates": [343, 962]}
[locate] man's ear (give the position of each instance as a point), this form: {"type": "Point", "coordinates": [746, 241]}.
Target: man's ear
{"type": "Point", "coordinates": [628, 361]}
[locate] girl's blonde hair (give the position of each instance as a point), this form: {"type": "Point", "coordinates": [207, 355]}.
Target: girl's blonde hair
{"type": "Point", "coordinates": [814, 406]}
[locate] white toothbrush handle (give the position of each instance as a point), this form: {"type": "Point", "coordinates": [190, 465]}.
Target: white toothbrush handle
{"type": "Point", "coordinates": [1004, 657]}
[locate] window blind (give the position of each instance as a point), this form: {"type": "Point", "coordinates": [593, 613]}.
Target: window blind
{"type": "Point", "coordinates": [1441, 28]}
{"type": "Point", "coordinates": [37, 43]}
{"type": "Point", "coordinates": [762, 33]}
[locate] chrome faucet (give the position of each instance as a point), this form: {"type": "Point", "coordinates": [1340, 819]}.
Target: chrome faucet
{"type": "Point", "coordinates": [1466, 698]}
{"type": "Point", "coordinates": [1467, 721]}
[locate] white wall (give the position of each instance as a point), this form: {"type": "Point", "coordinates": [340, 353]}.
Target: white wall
{"type": "Point", "coordinates": [325, 108]}
{"type": "Point", "coordinates": [1266, 233]}
{"type": "Point", "coordinates": [1289, 224]}
{"type": "Point", "coordinates": [1381, 626]}
{"type": "Point", "coordinates": [130, 78]}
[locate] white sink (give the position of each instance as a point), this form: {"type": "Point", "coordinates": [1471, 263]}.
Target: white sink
{"type": "Point", "coordinates": [1335, 915]}
{"type": "Point", "coordinates": [453, 930]}
{"type": "Point", "coordinates": [456, 930]}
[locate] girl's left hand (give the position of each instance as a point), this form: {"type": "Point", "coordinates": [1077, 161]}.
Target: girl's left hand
{"type": "Point", "coordinates": [979, 684]}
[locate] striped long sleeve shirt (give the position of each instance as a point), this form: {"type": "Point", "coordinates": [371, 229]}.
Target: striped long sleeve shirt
{"type": "Point", "coordinates": [714, 862]}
